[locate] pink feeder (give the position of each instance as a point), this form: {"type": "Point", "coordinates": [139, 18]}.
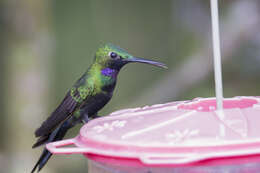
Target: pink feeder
{"type": "Point", "coordinates": [187, 136]}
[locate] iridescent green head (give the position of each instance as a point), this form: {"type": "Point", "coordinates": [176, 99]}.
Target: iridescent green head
{"type": "Point", "coordinates": [115, 57]}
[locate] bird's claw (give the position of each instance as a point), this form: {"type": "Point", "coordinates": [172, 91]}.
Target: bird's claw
{"type": "Point", "coordinates": [85, 119]}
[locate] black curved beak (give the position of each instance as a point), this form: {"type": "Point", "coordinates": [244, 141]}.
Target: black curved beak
{"type": "Point", "coordinates": [146, 61]}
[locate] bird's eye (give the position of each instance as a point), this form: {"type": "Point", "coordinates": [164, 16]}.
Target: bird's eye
{"type": "Point", "coordinates": [113, 55]}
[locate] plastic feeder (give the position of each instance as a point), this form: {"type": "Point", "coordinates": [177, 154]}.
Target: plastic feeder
{"type": "Point", "coordinates": [186, 136]}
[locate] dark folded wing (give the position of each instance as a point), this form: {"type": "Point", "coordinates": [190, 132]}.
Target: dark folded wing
{"type": "Point", "coordinates": [62, 112]}
{"type": "Point", "coordinates": [42, 140]}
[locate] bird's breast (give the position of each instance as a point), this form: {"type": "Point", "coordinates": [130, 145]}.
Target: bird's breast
{"type": "Point", "coordinates": [96, 102]}
{"type": "Point", "coordinates": [109, 87]}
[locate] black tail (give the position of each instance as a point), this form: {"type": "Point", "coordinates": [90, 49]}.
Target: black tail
{"type": "Point", "coordinates": [45, 156]}
{"type": "Point", "coordinates": [56, 135]}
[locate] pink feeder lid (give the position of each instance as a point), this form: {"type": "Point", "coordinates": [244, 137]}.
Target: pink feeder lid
{"type": "Point", "coordinates": [174, 133]}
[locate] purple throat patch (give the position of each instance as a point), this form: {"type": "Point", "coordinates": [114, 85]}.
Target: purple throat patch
{"type": "Point", "coordinates": [109, 72]}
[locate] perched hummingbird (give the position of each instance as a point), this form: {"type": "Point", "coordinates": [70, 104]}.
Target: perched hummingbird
{"type": "Point", "coordinates": [87, 96]}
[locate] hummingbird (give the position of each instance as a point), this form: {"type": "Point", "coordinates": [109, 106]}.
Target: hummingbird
{"type": "Point", "coordinates": [91, 92]}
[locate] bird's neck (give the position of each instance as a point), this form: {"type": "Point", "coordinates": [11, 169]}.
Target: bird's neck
{"type": "Point", "coordinates": [109, 72]}
{"type": "Point", "coordinates": [104, 77]}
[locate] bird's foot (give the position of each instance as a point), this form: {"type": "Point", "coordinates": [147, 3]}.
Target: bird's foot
{"type": "Point", "coordinates": [85, 118]}
{"type": "Point", "coordinates": [95, 116]}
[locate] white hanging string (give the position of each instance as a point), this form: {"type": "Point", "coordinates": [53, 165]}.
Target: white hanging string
{"type": "Point", "coordinates": [217, 54]}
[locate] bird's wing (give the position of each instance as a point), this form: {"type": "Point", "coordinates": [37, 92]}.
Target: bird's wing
{"type": "Point", "coordinates": [40, 141]}
{"type": "Point", "coordinates": [61, 113]}
{"type": "Point", "coordinates": [59, 132]}
{"type": "Point", "coordinates": [73, 99]}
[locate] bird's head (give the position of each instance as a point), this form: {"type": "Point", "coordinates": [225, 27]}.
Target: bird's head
{"type": "Point", "coordinates": [115, 57]}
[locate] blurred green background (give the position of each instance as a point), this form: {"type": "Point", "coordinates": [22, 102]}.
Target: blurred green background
{"type": "Point", "coordinates": [46, 45]}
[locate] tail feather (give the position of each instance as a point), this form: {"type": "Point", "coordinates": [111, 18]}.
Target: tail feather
{"type": "Point", "coordinates": [45, 156]}
{"type": "Point", "coordinates": [56, 135]}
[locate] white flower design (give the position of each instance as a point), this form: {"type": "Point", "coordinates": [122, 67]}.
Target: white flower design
{"type": "Point", "coordinates": [178, 135]}
{"type": "Point", "coordinates": [109, 126]}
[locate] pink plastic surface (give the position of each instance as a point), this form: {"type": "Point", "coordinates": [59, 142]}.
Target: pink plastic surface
{"type": "Point", "coordinates": [172, 134]}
